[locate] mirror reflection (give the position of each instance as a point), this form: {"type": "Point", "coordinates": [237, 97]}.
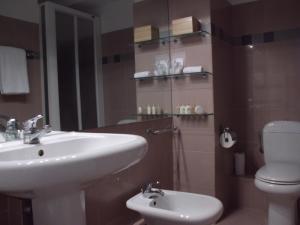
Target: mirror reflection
{"type": "Point", "coordinates": [78, 63]}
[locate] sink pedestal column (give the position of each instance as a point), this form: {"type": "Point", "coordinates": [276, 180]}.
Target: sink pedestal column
{"type": "Point", "coordinates": [65, 208]}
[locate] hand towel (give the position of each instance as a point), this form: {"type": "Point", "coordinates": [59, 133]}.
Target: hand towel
{"type": "Point", "coordinates": [13, 71]}
{"type": "Point", "coordinates": [193, 69]}
{"type": "Point", "coordinates": [142, 74]}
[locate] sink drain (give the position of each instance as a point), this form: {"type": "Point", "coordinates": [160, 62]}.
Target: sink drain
{"type": "Point", "coordinates": [41, 152]}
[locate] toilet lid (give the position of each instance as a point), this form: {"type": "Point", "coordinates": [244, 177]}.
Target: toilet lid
{"type": "Point", "coordinates": [280, 173]}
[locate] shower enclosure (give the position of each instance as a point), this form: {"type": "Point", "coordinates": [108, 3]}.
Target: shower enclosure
{"type": "Point", "coordinates": [72, 80]}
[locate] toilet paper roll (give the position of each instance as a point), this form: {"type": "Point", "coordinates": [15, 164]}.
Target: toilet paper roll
{"type": "Point", "coordinates": [227, 138]}
{"type": "Point", "coordinates": [239, 164]}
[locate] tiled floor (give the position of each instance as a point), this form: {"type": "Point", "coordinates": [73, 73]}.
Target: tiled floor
{"type": "Point", "coordinates": [245, 217]}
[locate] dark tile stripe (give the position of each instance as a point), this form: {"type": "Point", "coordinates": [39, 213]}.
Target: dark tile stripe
{"type": "Point", "coordinates": [249, 39]}
{"type": "Point", "coordinates": [117, 58]}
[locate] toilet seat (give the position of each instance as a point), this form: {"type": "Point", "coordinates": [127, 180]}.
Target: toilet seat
{"type": "Point", "coordinates": [279, 173]}
{"type": "Point", "coordinates": [276, 188]}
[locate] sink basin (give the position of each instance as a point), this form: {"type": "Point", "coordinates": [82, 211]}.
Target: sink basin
{"type": "Point", "coordinates": [54, 171]}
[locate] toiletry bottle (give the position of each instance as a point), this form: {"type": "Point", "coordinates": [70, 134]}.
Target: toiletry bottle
{"type": "Point", "coordinates": [188, 109]}
{"type": "Point", "coordinates": [140, 110]}
{"type": "Point", "coordinates": [182, 109]}
{"type": "Point", "coordinates": [153, 110]}
{"type": "Point", "coordinates": [158, 110]}
{"type": "Point", "coordinates": [148, 110]}
{"type": "Point", "coordinates": [177, 110]}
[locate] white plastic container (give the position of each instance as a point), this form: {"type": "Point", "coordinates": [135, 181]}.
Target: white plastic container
{"type": "Point", "coordinates": [239, 163]}
{"type": "Point", "coordinates": [199, 110]}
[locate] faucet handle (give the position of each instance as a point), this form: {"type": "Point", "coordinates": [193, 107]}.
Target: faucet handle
{"type": "Point", "coordinates": [47, 128]}
{"type": "Point", "coordinates": [31, 123]}
{"type": "Point", "coordinates": [154, 184]}
{"type": "Point", "coordinates": [149, 186]}
{"type": "Point", "coordinates": [11, 124]}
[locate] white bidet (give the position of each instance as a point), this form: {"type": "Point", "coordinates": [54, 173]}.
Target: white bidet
{"type": "Point", "coordinates": [177, 208]}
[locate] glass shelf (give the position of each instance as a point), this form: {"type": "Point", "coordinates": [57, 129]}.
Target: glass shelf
{"type": "Point", "coordinates": [175, 114]}
{"type": "Point", "coordinates": [202, 75]}
{"type": "Point", "coordinates": [168, 39]}
{"type": "Point", "coordinates": [193, 115]}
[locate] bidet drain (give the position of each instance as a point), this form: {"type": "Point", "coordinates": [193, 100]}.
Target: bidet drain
{"type": "Point", "coordinates": [41, 152]}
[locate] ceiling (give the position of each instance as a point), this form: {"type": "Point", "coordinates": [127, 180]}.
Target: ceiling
{"type": "Point", "coordinates": [237, 2]}
{"type": "Point", "coordinates": [90, 4]}
{"type": "Point", "coordinates": [99, 3]}
{"type": "Point", "coordinates": [94, 3]}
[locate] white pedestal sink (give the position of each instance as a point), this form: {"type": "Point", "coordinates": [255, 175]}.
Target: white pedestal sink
{"type": "Point", "coordinates": [53, 172]}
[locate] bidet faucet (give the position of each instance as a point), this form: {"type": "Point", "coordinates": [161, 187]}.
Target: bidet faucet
{"type": "Point", "coordinates": [32, 134]}
{"type": "Point", "coordinates": [150, 192]}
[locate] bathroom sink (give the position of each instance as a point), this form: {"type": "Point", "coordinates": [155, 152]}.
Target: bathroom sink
{"type": "Point", "coordinates": [66, 158]}
{"type": "Point", "coordinates": [63, 162]}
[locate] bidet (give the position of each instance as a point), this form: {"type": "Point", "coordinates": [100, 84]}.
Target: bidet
{"type": "Point", "coordinates": [177, 208]}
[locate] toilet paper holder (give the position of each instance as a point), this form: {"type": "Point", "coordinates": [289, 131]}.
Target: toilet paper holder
{"type": "Point", "coordinates": [228, 138]}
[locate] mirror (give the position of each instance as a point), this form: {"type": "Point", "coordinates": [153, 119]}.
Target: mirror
{"type": "Point", "coordinates": [82, 75]}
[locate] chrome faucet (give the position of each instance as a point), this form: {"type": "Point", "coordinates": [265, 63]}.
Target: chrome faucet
{"type": "Point", "coordinates": [3, 122]}
{"type": "Point", "coordinates": [150, 192]}
{"type": "Point", "coordinates": [32, 134]}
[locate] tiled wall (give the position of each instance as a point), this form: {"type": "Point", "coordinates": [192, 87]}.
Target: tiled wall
{"type": "Point", "coordinates": [223, 97]}
{"type": "Point", "coordinates": [194, 147]}
{"type": "Point", "coordinates": [118, 69]}
{"type": "Point", "coordinates": [149, 92]}
{"type": "Point", "coordinates": [24, 35]}
{"type": "Point", "coordinates": [11, 211]}
{"type": "Point", "coordinates": [266, 81]}
{"type": "Point", "coordinates": [106, 200]}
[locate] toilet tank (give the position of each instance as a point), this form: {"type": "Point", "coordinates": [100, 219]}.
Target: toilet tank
{"type": "Point", "coordinates": [281, 142]}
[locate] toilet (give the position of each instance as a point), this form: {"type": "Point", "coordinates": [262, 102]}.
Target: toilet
{"type": "Point", "coordinates": [177, 208]}
{"type": "Point", "coordinates": [280, 177]}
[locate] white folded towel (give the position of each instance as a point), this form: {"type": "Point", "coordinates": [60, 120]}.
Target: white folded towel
{"type": "Point", "coordinates": [13, 71]}
{"type": "Point", "coordinates": [142, 74]}
{"type": "Point", "coordinates": [193, 69]}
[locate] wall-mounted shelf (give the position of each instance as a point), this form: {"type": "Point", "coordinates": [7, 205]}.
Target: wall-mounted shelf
{"type": "Point", "coordinates": [171, 38]}
{"type": "Point", "coordinates": [176, 114]}
{"type": "Point", "coordinates": [201, 33]}
{"type": "Point", "coordinates": [154, 115]}
{"type": "Point", "coordinates": [157, 41]}
{"type": "Point", "coordinates": [202, 75]}
{"type": "Point", "coordinates": [193, 115]}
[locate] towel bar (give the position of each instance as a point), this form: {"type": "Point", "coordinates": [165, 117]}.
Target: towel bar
{"type": "Point", "coordinates": [32, 54]}
{"type": "Point", "coordinates": [161, 131]}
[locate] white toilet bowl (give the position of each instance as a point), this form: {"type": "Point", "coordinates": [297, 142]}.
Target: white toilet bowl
{"type": "Point", "coordinates": [282, 196]}
{"type": "Point", "coordinates": [177, 208]}
{"type": "Point", "coordinates": [280, 177]}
